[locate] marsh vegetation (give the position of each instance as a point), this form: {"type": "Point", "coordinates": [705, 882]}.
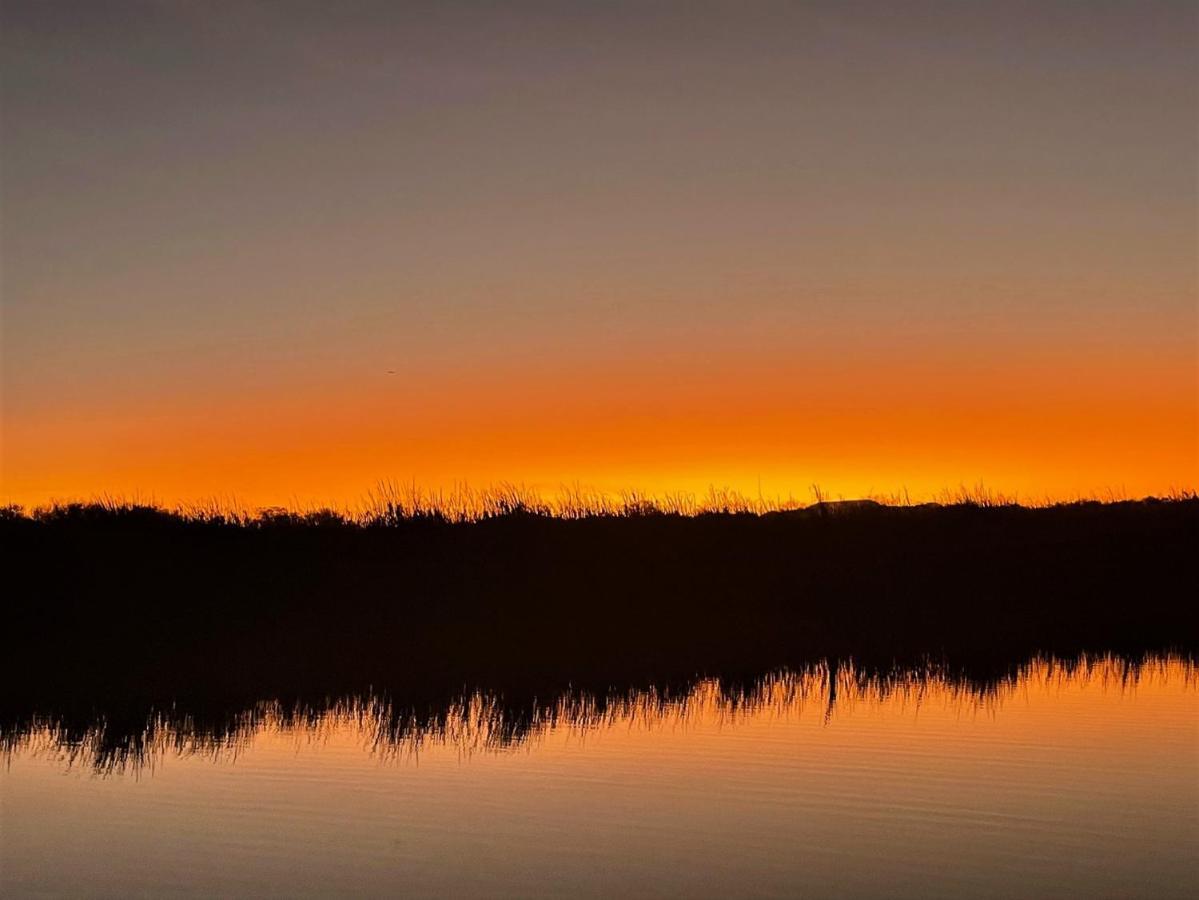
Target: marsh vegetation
{"type": "Point", "coordinates": [125, 614]}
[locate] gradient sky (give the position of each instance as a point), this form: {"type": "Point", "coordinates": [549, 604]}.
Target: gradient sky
{"type": "Point", "coordinates": [278, 251]}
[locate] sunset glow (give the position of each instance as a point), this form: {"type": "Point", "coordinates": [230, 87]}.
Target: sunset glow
{"type": "Point", "coordinates": [679, 448]}
{"type": "Point", "coordinates": [853, 423]}
{"type": "Point", "coordinates": [654, 251]}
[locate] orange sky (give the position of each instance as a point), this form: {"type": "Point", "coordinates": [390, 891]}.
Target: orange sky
{"type": "Point", "coordinates": [620, 247]}
{"type": "Point", "coordinates": [854, 422]}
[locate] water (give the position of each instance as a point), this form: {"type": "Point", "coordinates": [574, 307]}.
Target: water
{"type": "Point", "coordinates": [1061, 782]}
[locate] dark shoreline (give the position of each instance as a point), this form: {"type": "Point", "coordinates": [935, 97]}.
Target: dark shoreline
{"type": "Point", "coordinates": [116, 616]}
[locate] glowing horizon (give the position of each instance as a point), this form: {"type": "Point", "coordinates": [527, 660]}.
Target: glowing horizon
{"type": "Point", "coordinates": [890, 427]}
{"type": "Point", "coordinates": [282, 254]}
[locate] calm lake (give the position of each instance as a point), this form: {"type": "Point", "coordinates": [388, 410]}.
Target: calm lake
{"type": "Point", "coordinates": [1079, 781]}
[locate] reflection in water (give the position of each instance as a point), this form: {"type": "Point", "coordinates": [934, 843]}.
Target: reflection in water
{"type": "Point", "coordinates": [483, 723]}
{"type": "Point", "coordinates": [1072, 778]}
{"type": "Point", "coordinates": [922, 703]}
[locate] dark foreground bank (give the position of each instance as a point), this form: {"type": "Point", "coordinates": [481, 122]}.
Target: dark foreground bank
{"type": "Point", "coordinates": [117, 615]}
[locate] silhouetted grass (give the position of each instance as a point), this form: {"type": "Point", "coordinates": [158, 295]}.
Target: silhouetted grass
{"type": "Point", "coordinates": [392, 504]}
{"type": "Point", "coordinates": [117, 612]}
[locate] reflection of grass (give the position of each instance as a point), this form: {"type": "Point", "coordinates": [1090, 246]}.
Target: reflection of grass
{"type": "Point", "coordinates": [485, 722]}
{"type": "Point", "coordinates": [112, 610]}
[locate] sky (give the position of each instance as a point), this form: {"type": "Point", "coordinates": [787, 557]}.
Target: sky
{"type": "Point", "coordinates": [277, 252]}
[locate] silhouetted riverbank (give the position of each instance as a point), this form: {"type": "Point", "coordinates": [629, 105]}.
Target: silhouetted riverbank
{"type": "Point", "coordinates": [116, 613]}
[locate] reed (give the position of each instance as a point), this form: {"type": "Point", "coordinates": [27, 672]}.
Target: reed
{"type": "Point", "coordinates": [115, 608]}
{"type": "Point", "coordinates": [391, 503]}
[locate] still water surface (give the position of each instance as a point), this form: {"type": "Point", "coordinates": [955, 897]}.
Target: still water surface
{"type": "Point", "coordinates": [1080, 783]}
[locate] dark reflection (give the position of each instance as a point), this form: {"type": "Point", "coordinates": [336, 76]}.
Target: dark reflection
{"type": "Point", "coordinates": [132, 633]}
{"type": "Point", "coordinates": [482, 722]}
